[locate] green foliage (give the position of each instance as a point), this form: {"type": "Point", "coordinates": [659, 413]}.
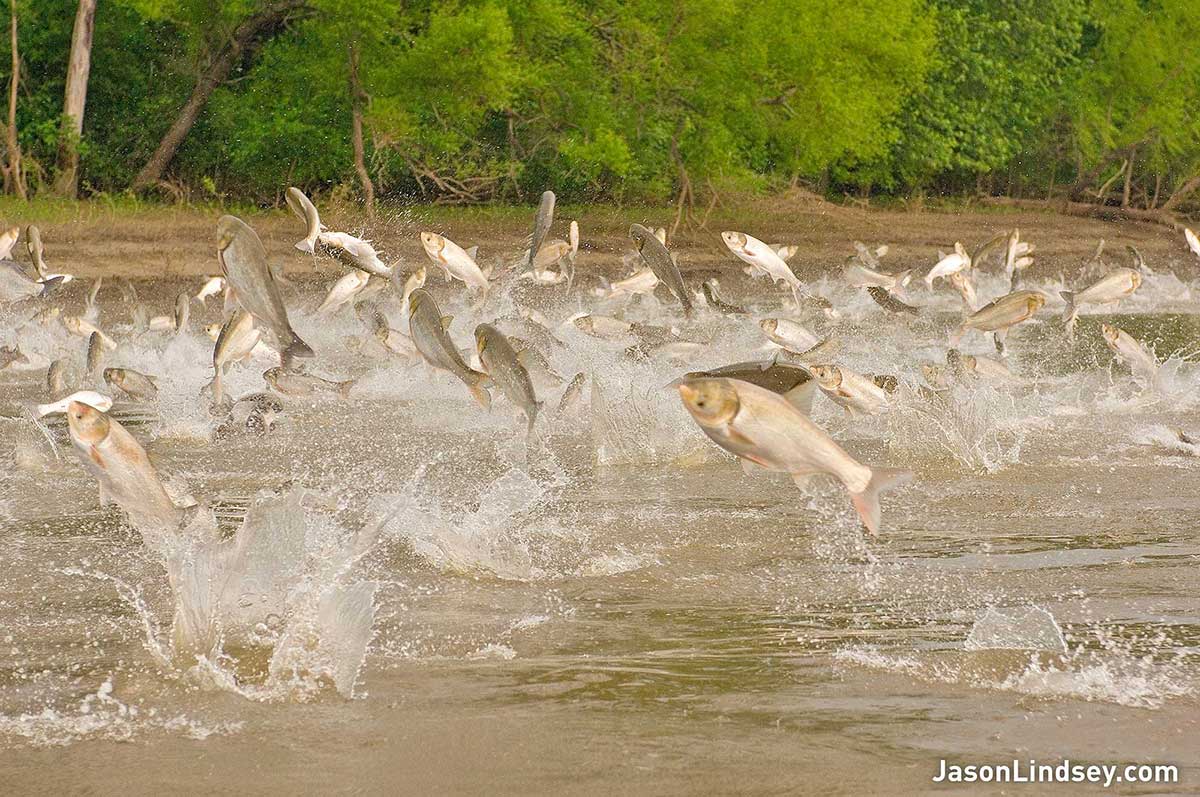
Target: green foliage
{"type": "Point", "coordinates": [632, 100]}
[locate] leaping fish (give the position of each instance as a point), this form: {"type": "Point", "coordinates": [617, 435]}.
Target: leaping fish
{"type": "Point", "coordinates": [252, 285]}
{"type": "Point", "coordinates": [303, 207]}
{"type": "Point", "coordinates": [763, 428]}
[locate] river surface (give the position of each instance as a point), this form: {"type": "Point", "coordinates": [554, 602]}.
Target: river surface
{"type": "Point", "coordinates": [615, 606]}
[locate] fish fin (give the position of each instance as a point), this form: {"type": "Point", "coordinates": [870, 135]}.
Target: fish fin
{"type": "Point", "coordinates": [801, 397]}
{"type": "Point", "coordinates": [750, 467]}
{"type": "Point", "coordinates": [305, 246]}
{"type": "Point", "coordinates": [479, 391]}
{"type": "Point", "coordinates": [51, 285]}
{"type": "Point", "coordinates": [867, 502]}
{"type": "Point", "coordinates": [447, 320]}
{"type": "Point", "coordinates": [94, 454]}
{"type": "Point", "coordinates": [344, 388]}
{"type": "Point", "coordinates": [473, 252]}
{"type": "Point", "coordinates": [532, 416]}
{"type": "Point", "coordinates": [904, 277]}
{"type": "Point", "coordinates": [802, 480]}
{"type": "Point", "coordinates": [769, 364]}
{"type": "Point", "coordinates": [297, 348]}
{"type": "Point", "coordinates": [1070, 312]}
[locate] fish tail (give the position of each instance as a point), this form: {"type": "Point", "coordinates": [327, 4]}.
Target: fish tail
{"type": "Point", "coordinates": [904, 277]}
{"type": "Point", "coordinates": [297, 348]}
{"type": "Point", "coordinates": [477, 384]}
{"type": "Point", "coordinates": [344, 388]}
{"type": "Point", "coordinates": [1070, 312]}
{"type": "Point", "coordinates": [867, 502]}
{"type": "Point", "coordinates": [532, 416]}
{"type": "Point", "coordinates": [50, 286]}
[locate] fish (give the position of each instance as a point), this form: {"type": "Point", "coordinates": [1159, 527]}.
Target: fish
{"type": "Point", "coordinates": [252, 285]}
{"type": "Point", "coordinates": [602, 326]}
{"type": "Point", "coordinates": [860, 276]}
{"type": "Point", "coordinates": [344, 290]}
{"type": "Point", "coordinates": [641, 281]}
{"type": "Point", "coordinates": [91, 310]}
{"type": "Point", "coordinates": [95, 353]}
{"type": "Point", "coordinates": [852, 391]}
{"type": "Point", "coordinates": [62, 377]}
{"type": "Point", "coordinates": [294, 383]}
{"type": "Point", "coordinates": [788, 334]}
{"type": "Point", "coordinates": [569, 260]}
{"type": "Point", "coordinates": [961, 281]}
{"type": "Point", "coordinates": [211, 287]}
{"type": "Point", "coordinates": [16, 286]}
{"type": "Point", "coordinates": [304, 209]}
{"type": "Point", "coordinates": [949, 264]}
{"type": "Point", "coordinates": [785, 251]}
{"type": "Point", "coordinates": [709, 288]}
{"type": "Point", "coordinates": [765, 429]}
{"type": "Point", "coordinates": [977, 365]}
{"type": "Point", "coordinates": [763, 259]}
{"type": "Point", "coordinates": [428, 328]}
{"type": "Point", "coordinates": [411, 283]}
{"type": "Point", "coordinates": [1118, 284]}
{"type": "Point", "coordinates": [501, 363]}
{"type": "Point", "coordinates": [1192, 241]}
{"type": "Point", "coordinates": [122, 468]}
{"type": "Point", "coordinates": [393, 340]}
{"type": "Point", "coordinates": [91, 398]}
{"type": "Point", "coordinates": [253, 414]}
{"type": "Point", "coordinates": [33, 243]}
{"type": "Point", "coordinates": [85, 329]}
{"type": "Point", "coordinates": [183, 311]}
{"type": "Point", "coordinates": [534, 361]}
{"type": "Point", "coordinates": [871, 259]}
{"type": "Point", "coordinates": [551, 253]}
{"type": "Point", "coordinates": [1142, 363]}
{"type": "Point", "coordinates": [8, 240]}
{"type": "Point", "coordinates": [136, 385]}
{"type": "Point", "coordinates": [455, 261]}
{"type": "Point", "coordinates": [1139, 262]}
{"type": "Point", "coordinates": [542, 221]}
{"type": "Point", "coordinates": [980, 252]}
{"type": "Point", "coordinates": [655, 255]}
{"type": "Point", "coordinates": [355, 252]}
{"type": "Point", "coordinates": [796, 384]}
{"type": "Point", "coordinates": [235, 341]}
{"type": "Point", "coordinates": [888, 301]}
{"type": "Point", "coordinates": [571, 394]}
{"type": "Point", "coordinates": [1001, 315]}
{"type": "Point", "coordinates": [11, 355]}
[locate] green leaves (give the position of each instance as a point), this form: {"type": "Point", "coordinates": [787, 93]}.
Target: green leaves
{"type": "Point", "coordinates": [471, 100]}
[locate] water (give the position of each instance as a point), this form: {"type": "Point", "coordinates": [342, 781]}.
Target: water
{"type": "Point", "coordinates": [423, 602]}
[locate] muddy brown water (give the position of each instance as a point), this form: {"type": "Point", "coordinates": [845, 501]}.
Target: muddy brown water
{"type": "Point", "coordinates": [619, 608]}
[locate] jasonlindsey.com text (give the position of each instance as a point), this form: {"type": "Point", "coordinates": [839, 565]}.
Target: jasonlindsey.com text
{"type": "Point", "coordinates": [1065, 771]}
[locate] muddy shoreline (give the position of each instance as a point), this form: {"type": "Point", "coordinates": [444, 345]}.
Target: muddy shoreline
{"type": "Point", "coordinates": [92, 240]}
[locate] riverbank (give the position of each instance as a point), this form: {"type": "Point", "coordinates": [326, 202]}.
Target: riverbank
{"type": "Point", "coordinates": [138, 240]}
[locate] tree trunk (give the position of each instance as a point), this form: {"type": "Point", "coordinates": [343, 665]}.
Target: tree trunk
{"type": "Point", "coordinates": [1182, 193]}
{"type": "Point", "coordinates": [74, 99]}
{"type": "Point", "coordinates": [247, 35]}
{"type": "Point", "coordinates": [14, 147]}
{"type": "Point", "coordinates": [357, 98]}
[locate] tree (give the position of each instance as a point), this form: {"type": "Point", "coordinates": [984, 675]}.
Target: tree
{"type": "Point", "coordinates": [74, 99]}
{"type": "Point", "coordinates": [14, 176]}
{"type": "Point", "coordinates": [240, 45]}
